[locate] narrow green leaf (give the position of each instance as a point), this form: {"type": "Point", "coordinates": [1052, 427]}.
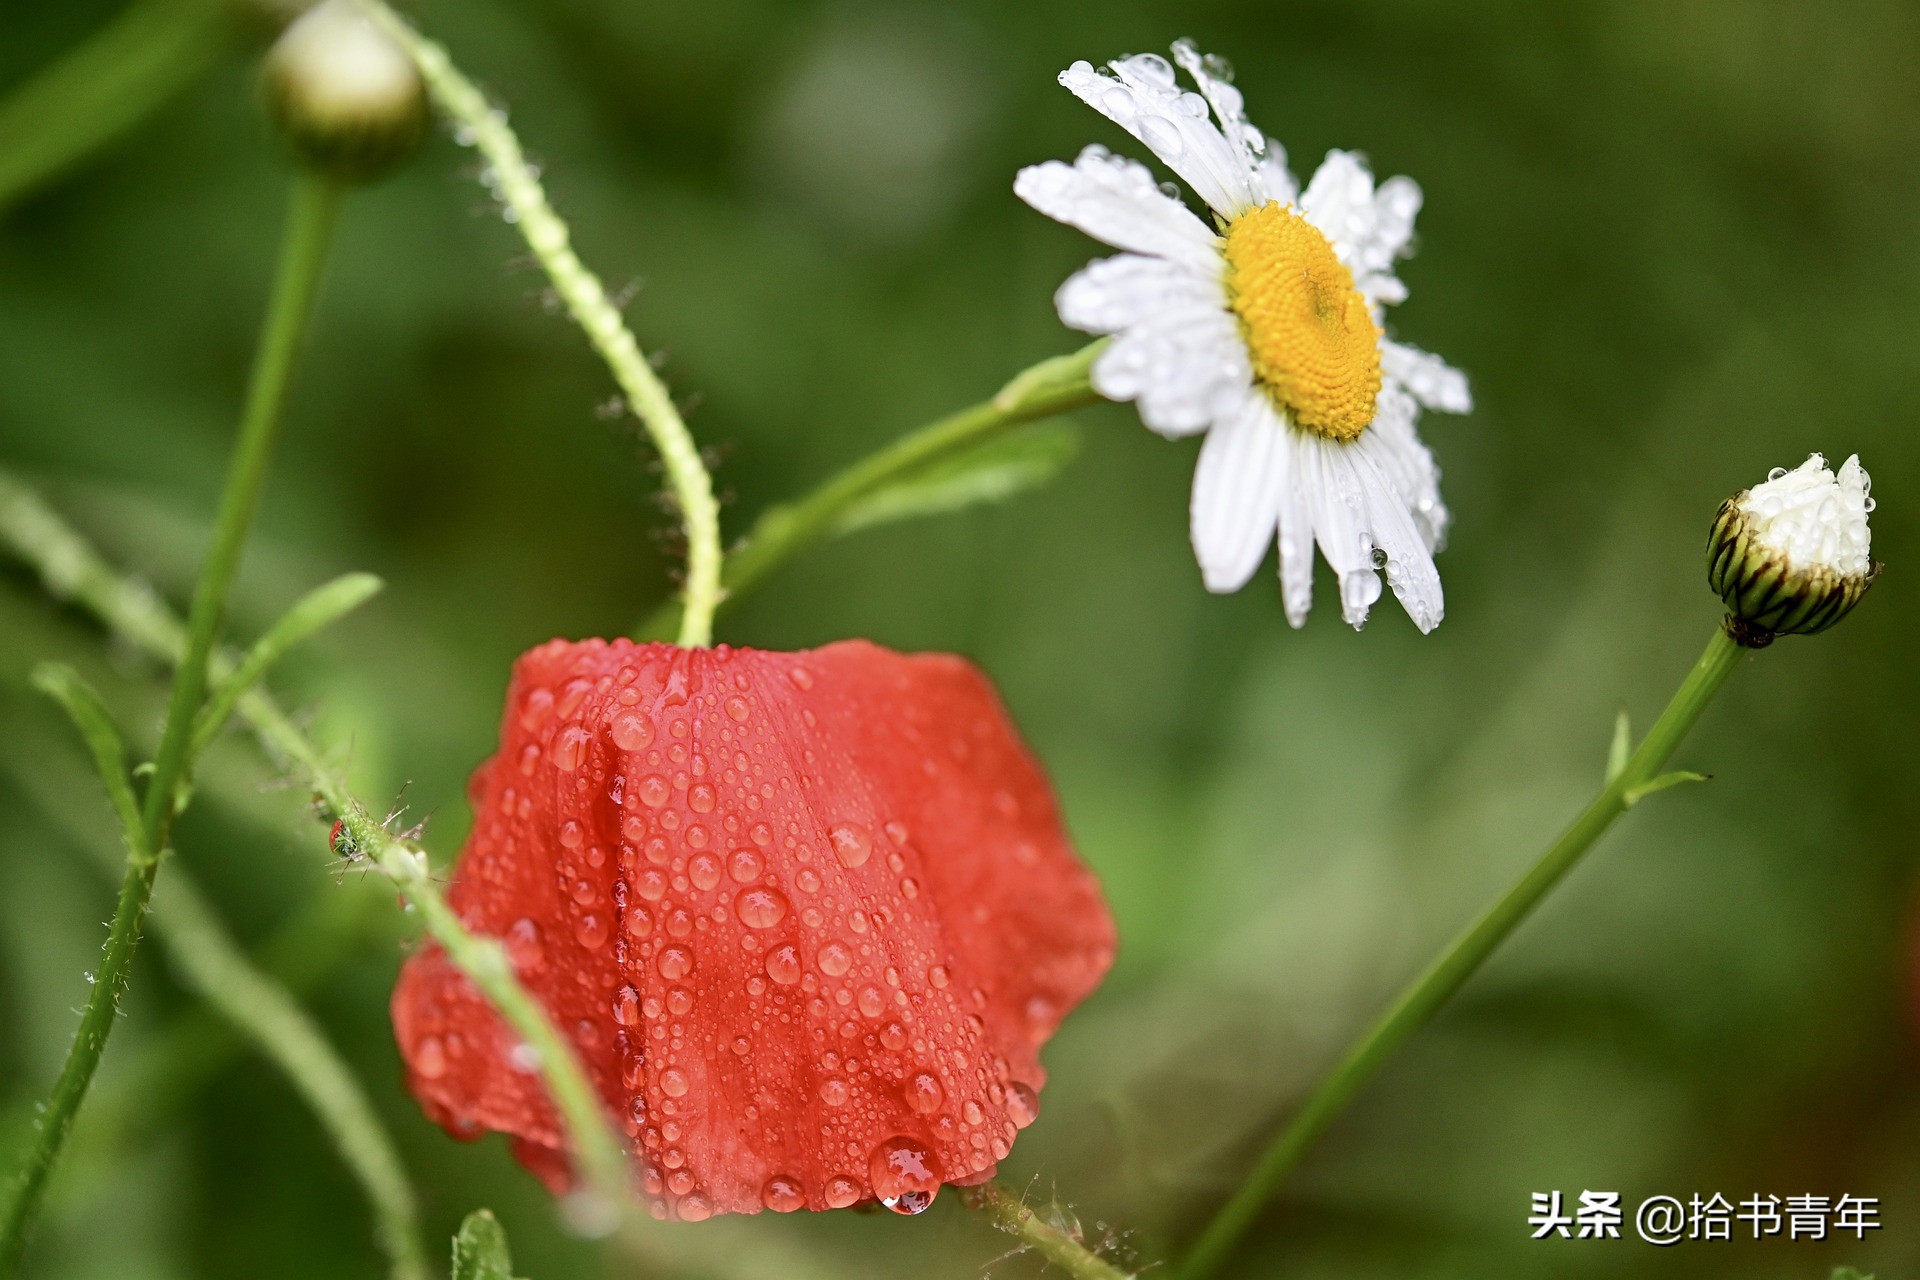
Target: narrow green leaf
{"type": "Point", "coordinates": [325, 604]}
{"type": "Point", "coordinates": [1636, 794]}
{"type": "Point", "coordinates": [480, 1250]}
{"type": "Point", "coordinates": [990, 472]}
{"type": "Point", "coordinates": [1621, 748]}
{"type": "Point", "coordinates": [1848, 1273]}
{"type": "Point", "coordinates": [64, 685]}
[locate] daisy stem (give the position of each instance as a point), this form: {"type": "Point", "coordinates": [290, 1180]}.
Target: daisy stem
{"type": "Point", "coordinates": [1057, 1245]}
{"type": "Point", "coordinates": [517, 186]}
{"type": "Point", "coordinates": [73, 571]}
{"type": "Point", "coordinates": [1460, 961]}
{"type": "Point", "coordinates": [303, 252]}
{"type": "Point", "coordinates": [1055, 385]}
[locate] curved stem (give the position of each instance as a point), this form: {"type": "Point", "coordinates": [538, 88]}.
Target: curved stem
{"type": "Point", "coordinates": [1056, 385]}
{"type": "Point", "coordinates": [303, 250]}
{"type": "Point", "coordinates": [1054, 1243]}
{"type": "Point", "coordinates": [73, 570]}
{"type": "Point", "coordinates": [1460, 961]}
{"type": "Point", "coordinates": [105, 86]}
{"type": "Point", "coordinates": [517, 186]}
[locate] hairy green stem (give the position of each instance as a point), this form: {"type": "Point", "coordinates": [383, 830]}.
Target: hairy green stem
{"type": "Point", "coordinates": [1056, 1244]}
{"type": "Point", "coordinates": [1056, 385]}
{"type": "Point", "coordinates": [303, 250]}
{"type": "Point", "coordinates": [517, 186]}
{"type": "Point", "coordinates": [104, 86]}
{"type": "Point", "coordinates": [72, 570]}
{"type": "Point", "coordinates": [1462, 959]}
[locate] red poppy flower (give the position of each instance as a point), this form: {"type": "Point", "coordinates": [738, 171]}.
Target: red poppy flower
{"type": "Point", "coordinates": [807, 917]}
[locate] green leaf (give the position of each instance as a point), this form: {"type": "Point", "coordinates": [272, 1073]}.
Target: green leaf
{"type": "Point", "coordinates": [325, 604]}
{"type": "Point", "coordinates": [993, 471]}
{"type": "Point", "coordinates": [1636, 794]}
{"type": "Point", "coordinates": [480, 1250]}
{"type": "Point", "coordinates": [1848, 1273]}
{"type": "Point", "coordinates": [64, 685]}
{"type": "Point", "coordinates": [1621, 749]}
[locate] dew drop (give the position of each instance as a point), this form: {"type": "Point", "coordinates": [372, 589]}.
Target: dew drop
{"type": "Point", "coordinates": [704, 870]}
{"type": "Point", "coordinates": [654, 791]}
{"type": "Point", "coordinates": [737, 708]}
{"type": "Point", "coordinates": [760, 908]}
{"type": "Point", "coordinates": [840, 1190]}
{"type": "Point", "coordinates": [745, 866]}
{"type": "Point", "coordinates": [783, 964]}
{"type": "Point", "coordinates": [851, 844]}
{"type": "Point", "coordinates": [1023, 1104]}
{"type": "Point", "coordinates": [673, 1082]}
{"type": "Point", "coordinates": [631, 731]}
{"type": "Point", "coordinates": [905, 1175]}
{"type": "Point", "coordinates": [591, 931]}
{"type": "Point", "coordinates": [872, 1003]}
{"type": "Point", "coordinates": [675, 962]}
{"type": "Point", "coordinates": [835, 1091]}
{"type": "Point", "coordinates": [802, 679]}
{"type": "Point", "coordinates": [924, 1093]}
{"type": "Point", "coordinates": [570, 748]}
{"type": "Point", "coordinates": [694, 1208]}
{"type": "Point", "coordinates": [430, 1059]}
{"type": "Point", "coordinates": [524, 946]}
{"type": "Point", "coordinates": [835, 959]}
{"type": "Point", "coordinates": [938, 977]}
{"type": "Point", "coordinates": [538, 706]}
{"type": "Point", "coordinates": [783, 1194]}
{"type": "Point", "coordinates": [626, 1005]}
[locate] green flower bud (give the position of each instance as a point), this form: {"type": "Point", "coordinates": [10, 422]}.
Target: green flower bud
{"type": "Point", "coordinates": [1791, 556]}
{"type": "Point", "coordinates": [346, 95]}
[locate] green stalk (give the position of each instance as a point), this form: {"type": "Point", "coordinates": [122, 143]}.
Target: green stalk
{"type": "Point", "coordinates": [1639, 777]}
{"type": "Point", "coordinates": [303, 251]}
{"type": "Point", "coordinates": [1008, 1212]}
{"type": "Point", "coordinates": [104, 87]}
{"type": "Point", "coordinates": [1056, 385]}
{"type": "Point", "coordinates": [515, 183]}
{"type": "Point", "coordinates": [73, 570]}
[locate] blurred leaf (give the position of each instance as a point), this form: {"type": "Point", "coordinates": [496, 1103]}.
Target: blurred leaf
{"type": "Point", "coordinates": [1622, 746]}
{"type": "Point", "coordinates": [990, 472]}
{"type": "Point", "coordinates": [480, 1250]}
{"type": "Point", "coordinates": [1636, 794]}
{"type": "Point", "coordinates": [64, 685]}
{"type": "Point", "coordinates": [321, 606]}
{"type": "Point", "coordinates": [1848, 1273]}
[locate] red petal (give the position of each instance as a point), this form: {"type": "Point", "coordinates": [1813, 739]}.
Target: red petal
{"type": "Point", "coordinates": [807, 917]}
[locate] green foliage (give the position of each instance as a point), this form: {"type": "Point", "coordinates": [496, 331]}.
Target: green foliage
{"type": "Point", "coordinates": [480, 1249]}
{"type": "Point", "coordinates": [1024, 458]}
{"type": "Point", "coordinates": [83, 706]}
{"type": "Point", "coordinates": [1848, 1273]}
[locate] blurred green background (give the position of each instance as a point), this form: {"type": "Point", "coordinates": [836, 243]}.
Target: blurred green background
{"type": "Point", "coordinates": [1671, 241]}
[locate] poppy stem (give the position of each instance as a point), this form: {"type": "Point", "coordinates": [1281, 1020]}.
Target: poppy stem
{"type": "Point", "coordinates": [1057, 1244]}
{"type": "Point", "coordinates": [303, 252]}
{"type": "Point", "coordinates": [1055, 385]}
{"type": "Point", "coordinates": [73, 571]}
{"type": "Point", "coordinates": [1626, 785]}
{"type": "Point", "coordinates": [516, 184]}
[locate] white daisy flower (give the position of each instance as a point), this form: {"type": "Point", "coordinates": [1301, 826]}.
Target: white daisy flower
{"type": "Point", "coordinates": [1263, 331]}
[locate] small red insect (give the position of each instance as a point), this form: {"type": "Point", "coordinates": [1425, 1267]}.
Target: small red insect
{"type": "Point", "coordinates": [807, 917]}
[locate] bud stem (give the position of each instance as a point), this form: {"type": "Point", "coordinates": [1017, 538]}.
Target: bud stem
{"type": "Point", "coordinates": [1460, 961]}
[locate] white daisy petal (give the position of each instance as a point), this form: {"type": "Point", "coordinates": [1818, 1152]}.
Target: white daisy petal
{"type": "Point", "coordinates": [1115, 200]}
{"type": "Point", "coordinates": [1247, 143]}
{"type": "Point", "coordinates": [1296, 536]}
{"type": "Point", "coordinates": [1397, 451]}
{"type": "Point", "coordinates": [1112, 294]}
{"type": "Point", "coordinates": [1336, 504]}
{"type": "Point", "coordinates": [1275, 177]}
{"type": "Point", "coordinates": [1142, 97]}
{"type": "Point", "coordinates": [1237, 488]}
{"type": "Point", "coordinates": [1186, 369]}
{"type": "Point", "coordinates": [1429, 379]}
{"type": "Point", "coordinates": [1410, 569]}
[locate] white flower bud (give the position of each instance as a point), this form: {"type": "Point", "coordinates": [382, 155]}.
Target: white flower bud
{"type": "Point", "coordinates": [1792, 556]}
{"type": "Point", "coordinates": [347, 96]}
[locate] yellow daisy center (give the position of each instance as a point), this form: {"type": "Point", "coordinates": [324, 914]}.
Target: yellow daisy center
{"type": "Point", "coordinates": [1315, 347]}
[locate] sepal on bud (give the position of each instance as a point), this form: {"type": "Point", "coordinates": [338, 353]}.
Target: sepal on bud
{"type": "Point", "coordinates": [1790, 556]}
{"type": "Point", "coordinates": [347, 97]}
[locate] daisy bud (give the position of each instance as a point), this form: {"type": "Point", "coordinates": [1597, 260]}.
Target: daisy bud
{"type": "Point", "coordinates": [347, 97]}
{"type": "Point", "coordinates": [1791, 556]}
